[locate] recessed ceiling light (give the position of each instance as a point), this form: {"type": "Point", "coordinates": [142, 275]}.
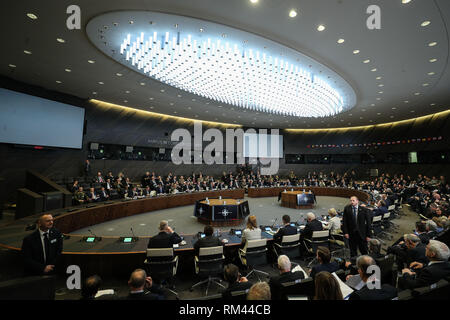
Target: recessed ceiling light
{"type": "Point", "coordinates": [162, 90]}
{"type": "Point", "coordinates": [142, 83]}
{"type": "Point", "coordinates": [366, 61]}
{"type": "Point", "coordinates": [57, 81]}
{"type": "Point", "coordinates": [152, 107]}
{"type": "Point", "coordinates": [171, 103]}
{"type": "Point", "coordinates": [406, 101]}
{"type": "Point", "coordinates": [201, 29]}
{"type": "Point", "coordinates": [341, 41]}
{"type": "Point", "coordinates": [394, 108]}
{"type": "Point", "coordinates": [292, 13]}
{"type": "Point", "coordinates": [151, 98]}
{"type": "Point", "coordinates": [179, 95]}
{"type": "Point", "coordinates": [91, 61]}
{"type": "Point", "coordinates": [425, 23]}
{"type": "Point", "coordinates": [119, 74]}
{"type": "Point", "coordinates": [412, 111]}
{"type": "Point", "coordinates": [125, 101]}
{"type": "Point", "coordinates": [321, 27]}
{"type": "Point", "coordinates": [432, 104]}
{"type": "Point", "coordinates": [128, 91]}
{"type": "Point", "coordinates": [355, 51]}
{"type": "Point", "coordinates": [32, 16]}
{"type": "Point", "coordinates": [374, 69]}
{"type": "Point", "coordinates": [67, 70]}
{"type": "Point", "coordinates": [174, 112]}
{"type": "Point", "coordinates": [430, 73]}
{"type": "Point", "coordinates": [101, 82]}
{"type": "Point", "coordinates": [379, 113]}
{"type": "Point", "coordinates": [432, 44]}
{"type": "Point", "coordinates": [254, 1]}
{"type": "Point", "coordinates": [60, 40]}
{"type": "Point", "coordinates": [363, 110]}
{"type": "Point", "coordinates": [12, 65]}
{"type": "Point", "coordinates": [417, 93]}
{"type": "Point", "coordinates": [372, 105]}
{"type": "Point", "coordinates": [381, 85]}
{"type": "Point", "coordinates": [378, 98]}
{"type": "Point", "coordinates": [380, 92]}
{"type": "Point", "coordinates": [27, 52]}
{"type": "Point", "coordinates": [378, 78]}
{"type": "Point", "coordinates": [406, 1]}
{"type": "Point", "coordinates": [433, 60]}
{"type": "Point", "coordinates": [425, 84]}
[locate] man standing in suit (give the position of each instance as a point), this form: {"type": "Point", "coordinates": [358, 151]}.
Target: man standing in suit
{"type": "Point", "coordinates": [208, 241]}
{"type": "Point", "coordinates": [275, 283]}
{"type": "Point", "coordinates": [42, 248]}
{"type": "Point", "coordinates": [166, 237]}
{"type": "Point", "coordinates": [286, 230]}
{"type": "Point", "coordinates": [357, 226]}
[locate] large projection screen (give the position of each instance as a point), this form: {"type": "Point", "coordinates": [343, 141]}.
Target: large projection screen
{"type": "Point", "coordinates": [262, 146]}
{"type": "Point", "coordinates": [30, 120]}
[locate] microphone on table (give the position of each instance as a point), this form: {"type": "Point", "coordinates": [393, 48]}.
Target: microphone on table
{"type": "Point", "coordinates": [274, 222]}
{"type": "Point", "coordinates": [134, 236]}
{"type": "Point", "coordinates": [92, 233]}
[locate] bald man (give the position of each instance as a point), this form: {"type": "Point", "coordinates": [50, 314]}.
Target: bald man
{"type": "Point", "coordinates": [42, 248]}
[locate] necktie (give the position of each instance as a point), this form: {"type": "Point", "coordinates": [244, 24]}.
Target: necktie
{"type": "Point", "coordinates": [354, 214]}
{"type": "Point", "coordinates": [46, 246]}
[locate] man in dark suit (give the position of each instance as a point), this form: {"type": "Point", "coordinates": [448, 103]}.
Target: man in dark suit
{"type": "Point", "coordinates": [357, 226]}
{"type": "Point", "coordinates": [42, 249]}
{"type": "Point", "coordinates": [235, 281]}
{"type": "Point", "coordinates": [312, 225]}
{"type": "Point", "coordinates": [378, 292]}
{"type": "Point", "coordinates": [142, 287]}
{"type": "Point", "coordinates": [423, 275]}
{"type": "Point", "coordinates": [166, 237]}
{"type": "Point", "coordinates": [286, 230]}
{"type": "Point", "coordinates": [104, 196]}
{"type": "Point", "coordinates": [208, 241]}
{"type": "Point", "coordinates": [323, 256]}
{"type": "Point", "coordinates": [275, 283]}
{"type": "Point", "coordinates": [410, 250]}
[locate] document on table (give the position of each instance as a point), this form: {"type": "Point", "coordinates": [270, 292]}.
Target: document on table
{"type": "Point", "coordinates": [345, 289]}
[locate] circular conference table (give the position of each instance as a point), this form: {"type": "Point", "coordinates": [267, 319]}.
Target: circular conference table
{"type": "Point", "coordinates": [110, 256]}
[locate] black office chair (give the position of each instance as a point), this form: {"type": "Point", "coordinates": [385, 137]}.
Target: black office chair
{"type": "Point", "coordinates": [339, 245]}
{"type": "Point", "coordinates": [162, 265]}
{"type": "Point", "coordinates": [209, 263]}
{"type": "Point", "coordinates": [290, 246]}
{"type": "Point", "coordinates": [254, 254]}
{"type": "Point", "coordinates": [386, 267]}
{"type": "Point", "coordinates": [239, 295]}
{"type": "Point", "coordinates": [298, 289]}
{"type": "Point", "coordinates": [437, 291]}
{"type": "Point", "coordinates": [378, 229]}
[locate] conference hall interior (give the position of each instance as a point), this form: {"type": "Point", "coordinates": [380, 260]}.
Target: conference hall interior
{"type": "Point", "coordinates": [225, 151]}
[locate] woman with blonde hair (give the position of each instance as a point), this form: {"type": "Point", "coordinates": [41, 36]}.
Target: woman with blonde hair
{"type": "Point", "coordinates": [252, 232]}
{"type": "Point", "coordinates": [334, 224]}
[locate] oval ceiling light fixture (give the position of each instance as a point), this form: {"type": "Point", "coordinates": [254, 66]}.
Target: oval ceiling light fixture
{"type": "Point", "coordinates": [292, 13]}
{"type": "Point", "coordinates": [243, 70]}
{"type": "Point", "coordinates": [321, 27]}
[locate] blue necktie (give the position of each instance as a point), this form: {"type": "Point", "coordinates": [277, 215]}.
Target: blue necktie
{"type": "Point", "coordinates": [354, 214]}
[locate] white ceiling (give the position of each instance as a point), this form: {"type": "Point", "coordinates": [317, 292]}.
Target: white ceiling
{"type": "Point", "coordinates": [399, 51]}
